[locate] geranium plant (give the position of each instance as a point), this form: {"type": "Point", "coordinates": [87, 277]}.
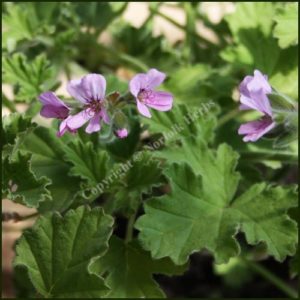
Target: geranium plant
{"type": "Point", "coordinates": [136, 154]}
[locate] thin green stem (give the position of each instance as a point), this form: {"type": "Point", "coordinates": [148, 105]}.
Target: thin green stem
{"type": "Point", "coordinates": [129, 229]}
{"type": "Point", "coordinates": [183, 27]}
{"type": "Point", "coordinates": [30, 216]}
{"type": "Point", "coordinates": [227, 117]}
{"type": "Point", "coordinates": [7, 216]}
{"type": "Point", "coordinates": [285, 97]}
{"type": "Point", "coordinates": [190, 28]}
{"type": "Point", "coordinates": [9, 104]}
{"type": "Point", "coordinates": [279, 283]}
{"type": "Point", "coordinates": [290, 158]}
{"type": "Point", "coordinates": [153, 11]}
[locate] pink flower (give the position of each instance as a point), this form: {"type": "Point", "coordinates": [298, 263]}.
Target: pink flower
{"type": "Point", "coordinates": [121, 133]}
{"type": "Point", "coordinates": [90, 91]}
{"type": "Point", "coordinates": [142, 88]}
{"type": "Point", "coordinates": [254, 90]}
{"type": "Point", "coordinates": [53, 107]}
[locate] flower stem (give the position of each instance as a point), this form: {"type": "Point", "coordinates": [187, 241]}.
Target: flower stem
{"type": "Point", "coordinates": [183, 27]}
{"type": "Point", "coordinates": [129, 229]}
{"type": "Point", "coordinates": [9, 104]}
{"type": "Point", "coordinates": [227, 117]}
{"type": "Point", "coordinates": [290, 158]}
{"type": "Point", "coordinates": [279, 283]}
{"type": "Point", "coordinates": [7, 216]}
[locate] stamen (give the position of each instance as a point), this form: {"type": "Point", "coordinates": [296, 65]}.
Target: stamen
{"type": "Point", "coordinates": [145, 95]}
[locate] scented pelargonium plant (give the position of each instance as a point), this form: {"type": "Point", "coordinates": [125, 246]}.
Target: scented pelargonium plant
{"type": "Point", "coordinates": [148, 168]}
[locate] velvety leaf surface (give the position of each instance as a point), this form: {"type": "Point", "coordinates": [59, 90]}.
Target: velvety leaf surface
{"type": "Point", "coordinates": [182, 122]}
{"type": "Point", "coordinates": [47, 160]}
{"type": "Point", "coordinates": [88, 163]}
{"type": "Point", "coordinates": [136, 177]}
{"type": "Point", "coordinates": [14, 130]}
{"type": "Point", "coordinates": [201, 212]}
{"type": "Point", "coordinates": [128, 270]}
{"type": "Point", "coordinates": [21, 184]}
{"type": "Point", "coordinates": [58, 251]}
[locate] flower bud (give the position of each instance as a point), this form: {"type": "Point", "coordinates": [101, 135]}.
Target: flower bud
{"type": "Point", "coordinates": [120, 124]}
{"type": "Point", "coordinates": [121, 133]}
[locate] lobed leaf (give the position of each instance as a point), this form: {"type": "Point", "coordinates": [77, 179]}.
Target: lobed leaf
{"type": "Point", "coordinates": [183, 123]}
{"type": "Point", "coordinates": [135, 177]}
{"type": "Point", "coordinates": [15, 128]}
{"type": "Point", "coordinates": [88, 163]}
{"type": "Point", "coordinates": [128, 270]}
{"type": "Point", "coordinates": [58, 251]}
{"type": "Point", "coordinates": [201, 211]}
{"type": "Point", "coordinates": [47, 160]}
{"type": "Point", "coordinates": [21, 184]}
{"type": "Point", "coordinates": [29, 77]}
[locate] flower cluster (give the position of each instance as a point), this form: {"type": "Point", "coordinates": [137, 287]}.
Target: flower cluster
{"type": "Point", "coordinates": [89, 91]}
{"type": "Point", "coordinates": [253, 95]}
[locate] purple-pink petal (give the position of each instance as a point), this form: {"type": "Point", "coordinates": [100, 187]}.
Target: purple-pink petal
{"type": "Point", "coordinates": [63, 128]}
{"type": "Point", "coordinates": [257, 101]}
{"type": "Point", "coordinates": [53, 107]}
{"type": "Point", "coordinates": [121, 133]}
{"type": "Point", "coordinates": [243, 88]}
{"type": "Point", "coordinates": [49, 98]}
{"type": "Point", "coordinates": [259, 82]}
{"type": "Point", "coordinates": [254, 90]}
{"type": "Point", "coordinates": [78, 120]}
{"type": "Point", "coordinates": [94, 86]}
{"type": "Point", "coordinates": [49, 111]}
{"type": "Point", "coordinates": [154, 78]}
{"type": "Point", "coordinates": [137, 83]}
{"type": "Point", "coordinates": [76, 90]}
{"type": "Point", "coordinates": [256, 129]}
{"type": "Point", "coordinates": [160, 100]}
{"type": "Point", "coordinates": [94, 124]}
{"type": "Point", "coordinates": [143, 109]}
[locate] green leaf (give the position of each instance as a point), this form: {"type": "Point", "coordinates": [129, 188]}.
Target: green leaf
{"type": "Point", "coordinates": [18, 24]}
{"type": "Point", "coordinates": [139, 43]}
{"type": "Point", "coordinates": [286, 29]}
{"type": "Point", "coordinates": [254, 45]}
{"type": "Point", "coordinates": [182, 122]}
{"type": "Point", "coordinates": [15, 128]}
{"type": "Point", "coordinates": [115, 84]}
{"type": "Point", "coordinates": [251, 15]}
{"type": "Point", "coordinates": [21, 184]}
{"type": "Point", "coordinates": [47, 160]}
{"type": "Point", "coordinates": [201, 212]}
{"type": "Point", "coordinates": [99, 14]}
{"type": "Point", "coordinates": [199, 83]}
{"type": "Point", "coordinates": [29, 77]}
{"type": "Point", "coordinates": [58, 251]}
{"type": "Point", "coordinates": [89, 164]}
{"type": "Point", "coordinates": [285, 77]}
{"type": "Point", "coordinates": [136, 176]}
{"type": "Point", "coordinates": [128, 270]}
